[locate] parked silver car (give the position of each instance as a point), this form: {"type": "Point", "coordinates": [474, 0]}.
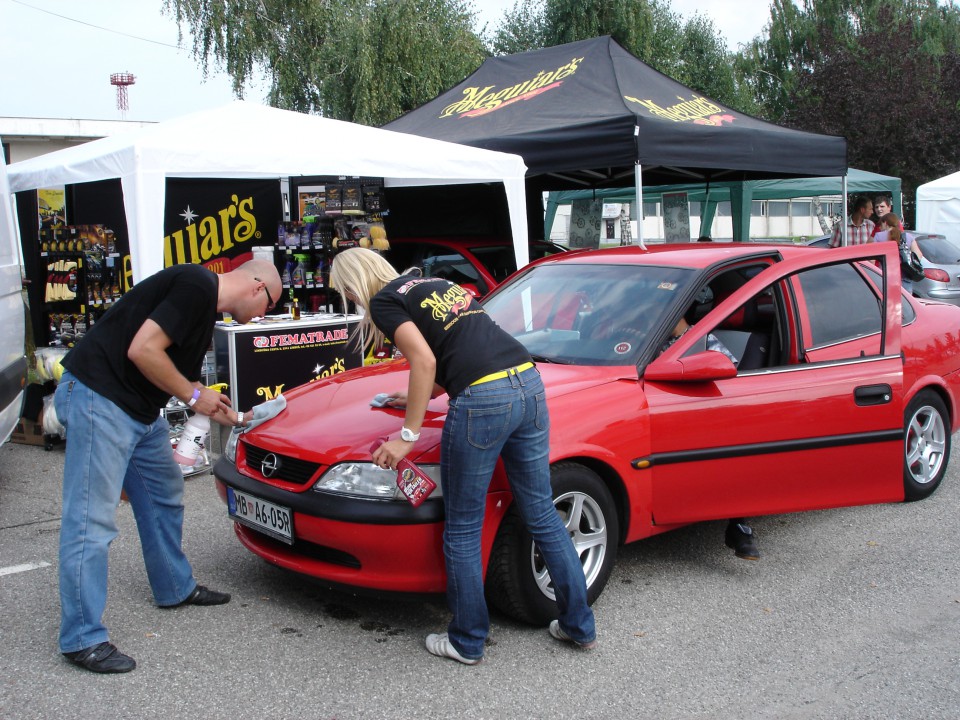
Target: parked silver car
{"type": "Point", "coordinates": [941, 266]}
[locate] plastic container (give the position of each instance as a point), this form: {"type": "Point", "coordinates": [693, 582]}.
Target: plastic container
{"type": "Point", "coordinates": [192, 440]}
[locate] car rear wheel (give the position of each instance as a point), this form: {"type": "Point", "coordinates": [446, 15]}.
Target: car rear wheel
{"type": "Point", "coordinates": [518, 583]}
{"type": "Point", "coordinates": [926, 444]}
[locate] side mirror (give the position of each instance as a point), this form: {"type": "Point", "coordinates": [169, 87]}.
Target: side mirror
{"type": "Point", "coordinates": [701, 367]}
{"type": "Point", "coordinates": [471, 288]}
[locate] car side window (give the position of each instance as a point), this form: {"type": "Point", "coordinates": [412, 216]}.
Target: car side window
{"type": "Point", "coordinates": [841, 306]}
{"type": "Point", "coordinates": [452, 266]}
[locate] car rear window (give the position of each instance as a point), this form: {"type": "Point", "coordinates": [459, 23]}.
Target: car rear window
{"type": "Point", "coordinates": [939, 250]}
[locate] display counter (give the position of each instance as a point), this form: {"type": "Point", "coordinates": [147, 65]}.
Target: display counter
{"type": "Point", "coordinates": [261, 359]}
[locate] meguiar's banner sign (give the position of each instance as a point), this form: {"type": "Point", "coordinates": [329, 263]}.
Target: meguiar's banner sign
{"type": "Point", "coordinates": [216, 222]}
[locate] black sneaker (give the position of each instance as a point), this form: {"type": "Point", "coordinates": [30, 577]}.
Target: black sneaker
{"type": "Point", "coordinates": [739, 537]}
{"type": "Point", "coordinates": [102, 658]}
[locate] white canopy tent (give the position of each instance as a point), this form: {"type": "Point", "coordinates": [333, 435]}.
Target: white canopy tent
{"type": "Point", "coordinates": [938, 206]}
{"type": "Point", "coordinates": [245, 140]}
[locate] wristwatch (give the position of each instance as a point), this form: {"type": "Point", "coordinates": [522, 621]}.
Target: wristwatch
{"type": "Point", "coordinates": [409, 435]}
{"type": "Point", "coordinates": [239, 422]}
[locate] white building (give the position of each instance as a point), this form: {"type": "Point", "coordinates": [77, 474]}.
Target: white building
{"type": "Point", "coordinates": [27, 137]}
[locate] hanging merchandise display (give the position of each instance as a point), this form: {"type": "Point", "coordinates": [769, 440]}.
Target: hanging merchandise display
{"type": "Point", "coordinates": [83, 279]}
{"type": "Point", "coordinates": [335, 213]}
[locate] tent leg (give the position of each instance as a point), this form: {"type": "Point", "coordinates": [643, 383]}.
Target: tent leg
{"type": "Point", "coordinates": [843, 190]}
{"type": "Point", "coordinates": [638, 183]}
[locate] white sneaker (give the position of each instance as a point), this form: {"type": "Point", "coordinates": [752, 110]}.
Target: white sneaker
{"type": "Point", "coordinates": [557, 632]}
{"type": "Point", "coordinates": [441, 646]}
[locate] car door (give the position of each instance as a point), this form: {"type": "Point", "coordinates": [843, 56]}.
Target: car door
{"type": "Point", "coordinates": [820, 425]}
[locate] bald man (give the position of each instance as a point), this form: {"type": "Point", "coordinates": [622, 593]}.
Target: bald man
{"type": "Point", "coordinates": [148, 347]}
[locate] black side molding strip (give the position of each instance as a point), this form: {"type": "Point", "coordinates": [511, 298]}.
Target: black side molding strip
{"type": "Point", "coordinates": [768, 448]}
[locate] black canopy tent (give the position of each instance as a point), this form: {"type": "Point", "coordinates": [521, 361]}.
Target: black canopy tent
{"type": "Point", "coordinates": [589, 114]}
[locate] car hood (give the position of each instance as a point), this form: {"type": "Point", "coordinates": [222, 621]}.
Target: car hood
{"type": "Point", "coordinates": [331, 420]}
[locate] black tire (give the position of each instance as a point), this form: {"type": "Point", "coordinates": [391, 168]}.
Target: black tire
{"type": "Point", "coordinates": [926, 445]}
{"type": "Point", "coordinates": [518, 583]}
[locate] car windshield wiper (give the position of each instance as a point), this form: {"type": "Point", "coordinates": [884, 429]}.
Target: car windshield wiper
{"type": "Point", "coordinates": [545, 359]}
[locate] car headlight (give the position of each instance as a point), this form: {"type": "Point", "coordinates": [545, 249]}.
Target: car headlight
{"type": "Point", "coordinates": [230, 449]}
{"type": "Point", "coordinates": [363, 479]}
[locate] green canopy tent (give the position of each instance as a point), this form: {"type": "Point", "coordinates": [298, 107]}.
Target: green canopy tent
{"type": "Point", "coordinates": [739, 194]}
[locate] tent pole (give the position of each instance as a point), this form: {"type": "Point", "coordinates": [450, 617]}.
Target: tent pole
{"type": "Point", "coordinates": [843, 190]}
{"type": "Point", "coordinates": [638, 182]}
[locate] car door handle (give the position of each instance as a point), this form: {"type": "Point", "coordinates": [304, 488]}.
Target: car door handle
{"type": "Point", "coordinates": [866, 395]}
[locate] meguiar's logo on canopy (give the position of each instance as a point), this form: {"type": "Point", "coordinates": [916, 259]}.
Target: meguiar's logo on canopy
{"type": "Point", "coordinates": [482, 100]}
{"type": "Point", "coordinates": [697, 109]}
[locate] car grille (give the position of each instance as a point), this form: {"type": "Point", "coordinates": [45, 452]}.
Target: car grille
{"type": "Point", "coordinates": [292, 470]}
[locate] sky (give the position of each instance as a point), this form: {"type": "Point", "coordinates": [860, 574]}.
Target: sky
{"type": "Point", "coordinates": [57, 56]}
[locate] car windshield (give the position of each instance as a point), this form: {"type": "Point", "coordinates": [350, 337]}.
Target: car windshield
{"type": "Point", "coordinates": [587, 314]}
{"type": "Point", "coordinates": [938, 249]}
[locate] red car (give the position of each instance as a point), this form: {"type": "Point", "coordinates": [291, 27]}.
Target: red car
{"type": "Point", "coordinates": [844, 392]}
{"type": "Point", "coordinates": [476, 264]}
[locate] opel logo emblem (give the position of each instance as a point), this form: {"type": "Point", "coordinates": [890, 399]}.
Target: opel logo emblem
{"type": "Point", "coordinates": [269, 465]}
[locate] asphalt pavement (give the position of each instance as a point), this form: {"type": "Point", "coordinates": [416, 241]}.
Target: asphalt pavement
{"type": "Point", "coordinates": [850, 613]}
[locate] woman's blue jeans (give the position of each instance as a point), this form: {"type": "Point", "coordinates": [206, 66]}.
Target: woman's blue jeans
{"type": "Point", "coordinates": [107, 451]}
{"type": "Point", "coordinates": [503, 418]}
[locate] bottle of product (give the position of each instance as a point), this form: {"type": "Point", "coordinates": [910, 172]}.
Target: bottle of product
{"type": "Point", "coordinates": [295, 308]}
{"type": "Point", "coordinates": [192, 440]}
{"type": "Point", "coordinates": [299, 274]}
{"type": "Point", "coordinates": [287, 277]}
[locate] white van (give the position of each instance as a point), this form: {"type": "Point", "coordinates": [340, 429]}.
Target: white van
{"type": "Point", "coordinates": [13, 361]}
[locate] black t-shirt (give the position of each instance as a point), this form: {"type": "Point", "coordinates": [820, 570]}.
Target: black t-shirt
{"type": "Point", "coordinates": [182, 300]}
{"type": "Point", "coordinates": [465, 341]}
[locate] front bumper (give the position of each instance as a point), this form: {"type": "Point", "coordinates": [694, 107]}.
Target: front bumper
{"type": "Point", "coordinates": [373, 544]}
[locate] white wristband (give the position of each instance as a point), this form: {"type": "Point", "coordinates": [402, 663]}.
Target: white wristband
{"type": "Point", "coordinates": [196, 396]}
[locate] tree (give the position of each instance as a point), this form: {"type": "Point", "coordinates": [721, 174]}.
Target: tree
{"type": "Point", "coordinates": [908, 129]}
{"type": "Point", "coordinates": [366, 61]}
{"type": "Point", "coordinates": [802, 33]}
{"type": "Point", "coordinates": [692, 53]}
{"type": "Point", "coordinates": [521, 29]}
{"type": "Point", "coordinates": [884, 74]}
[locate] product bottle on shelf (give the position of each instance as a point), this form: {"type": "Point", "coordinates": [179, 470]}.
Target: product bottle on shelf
{"type": "Point", "coordinates": [295, 308]}
{"type": "Point", "coordinates": [299, 275]}
{"type": "Point", "coordinates": [287, 277]}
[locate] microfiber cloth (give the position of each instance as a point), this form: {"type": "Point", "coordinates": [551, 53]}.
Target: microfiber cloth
{"type": "Point", "coordinates": [383, 400]}
{"type": "Point", "coordinates": [263, 412]}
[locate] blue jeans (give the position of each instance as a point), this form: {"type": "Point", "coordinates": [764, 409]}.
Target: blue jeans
{"type": "Point", "coordinates": [107, 451]}
{"type": "Point", "coordinates": [503, 418]}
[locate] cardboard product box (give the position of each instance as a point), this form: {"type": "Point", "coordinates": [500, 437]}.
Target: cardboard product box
{"type": "Point", "coordinates": [28, 432]}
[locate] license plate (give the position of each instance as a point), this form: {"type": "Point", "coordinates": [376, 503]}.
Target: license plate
{"type": "Point", "coordinates": [261, 515]}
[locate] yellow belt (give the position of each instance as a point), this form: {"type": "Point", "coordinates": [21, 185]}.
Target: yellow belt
{"type": "Point", "coordinates": [503, 373]}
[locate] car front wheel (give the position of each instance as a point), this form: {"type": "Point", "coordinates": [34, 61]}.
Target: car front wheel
{"type": "Point", "coordinates": [926, 445]}
{"type": "Point", "coordinates": [518, 582]}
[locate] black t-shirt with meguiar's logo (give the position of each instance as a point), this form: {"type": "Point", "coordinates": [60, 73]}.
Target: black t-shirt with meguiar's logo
{"type": "Point", "coordinates": [466, 342]}
{"type": "Point", "coordinates": [182, 300]}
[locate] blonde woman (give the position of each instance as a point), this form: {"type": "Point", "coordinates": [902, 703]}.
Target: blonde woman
{"type": "Point", "coordinates": [497, 409]}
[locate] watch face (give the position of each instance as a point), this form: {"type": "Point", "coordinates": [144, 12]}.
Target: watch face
{"type": "Point", "coordinates": [409, 435]}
